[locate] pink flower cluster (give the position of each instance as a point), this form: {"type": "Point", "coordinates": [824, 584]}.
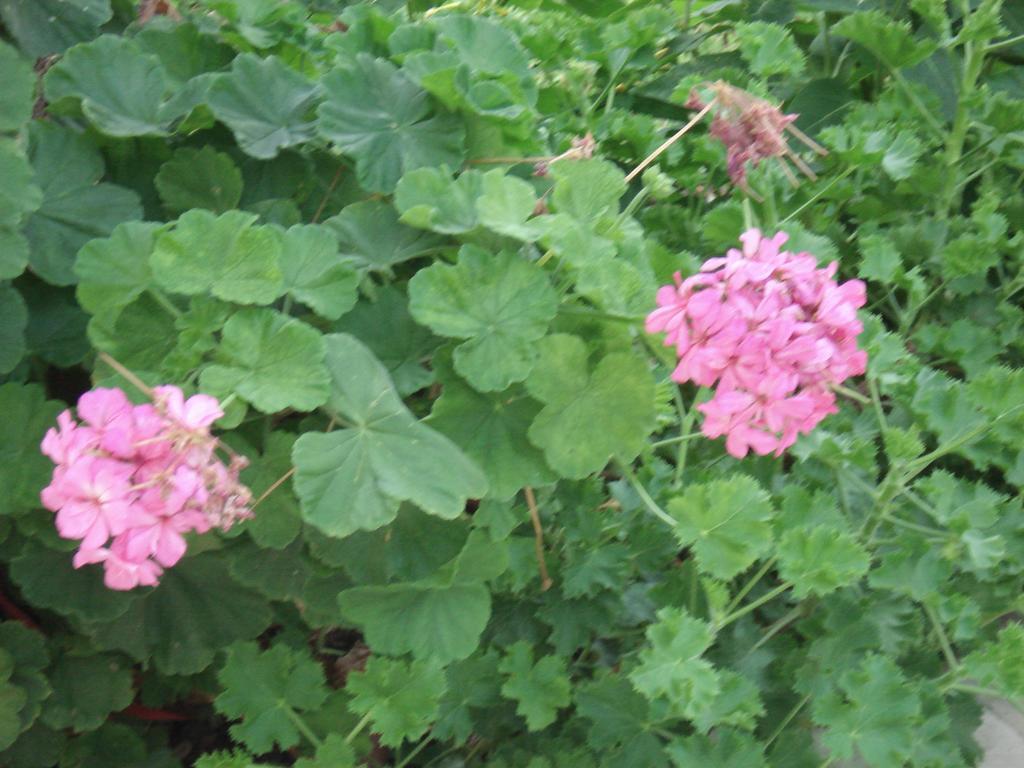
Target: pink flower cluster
{"type": "Point", "coordinates": [131, 480]}
{"type": "Point", "coordinates": [771, 332]}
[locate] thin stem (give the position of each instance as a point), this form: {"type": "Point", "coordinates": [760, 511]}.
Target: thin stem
{"type": "Point", "coordinates": [685, 425]}
{"type": "Point", "coordinates": [127, 375]}
{"type": "Point", "coordinates": [675, 440]}
{"type": "Point", "coordinates": [876, 401]}
{"type": "Point", "coordinates": [358, 728]}
{"type": "Point", "coordinates": [1004, 43]}
{"type": "Point", "coordinates": [776, 627]}
{"type": "Point", "coordinates": [923, 529]}
{"type": "Point", "coordinates": [419, 748]}
{"type": "Point", "coordinates": [974, 690]}
{"type": "Point", "coordinates": [753, 606]}
{"type": "Point", "coordinates": [330, 190]}
{"type": "Point", "coordinates": [915, 100]}
{"type": "Point", "coordinates": [762, 571]}
{"type": "Point", "coordinates": [851, 393]}
{"type": "Point", "coordinates": [304, 728]}
{"type": "Point", "coordinates": [787, 720]}
{"type": "Point", "coordinates": [273, 487]}
{"type": "Point", "coordinates": [538, 539]}
{"type": "Point", "coordinates": [818, 194]}
{"type": "Point", "coordinates": [669, 142]}
{"type": "Point", "coordinates": [940, 633]}
{"type": "Point", "coordinates": [165, 303]}
{"type": "Point", "coordinates": [647, 499]}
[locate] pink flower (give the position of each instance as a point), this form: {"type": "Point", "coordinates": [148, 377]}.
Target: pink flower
{"type": "Point", "coordinates": [772, 332]}
{"type": "Point", "coordinates": [132, 481]}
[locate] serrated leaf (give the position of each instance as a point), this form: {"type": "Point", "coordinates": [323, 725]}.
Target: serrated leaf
{"type": "Point", "coordinates": [769, 49]}
{"type": "Point", "coordinates": [43, 27]}
{"type": "Point", "coordinates": [123, 91]}
{"type": "Point", "coordinates": [999, 665]}
{"type": "Point", "coordinates": [473, 687]}
{"type": "Point", "coordinates": [539, 689]}
{"type": "Point", "coordinates": [375, 114]}
{"type": "Point", "coordinates": [500, 304]}
{"type": "Point", "coordinates": [265, 103]}
{"type": "Point", "coordinates": [86, 689]}
{"type": "Point", "coordinates": [19, 194]}
{"type": "Point", "coordinates": [12, 699]}
{"type": "Point", "coordinates": [266, 690]}
{"type": "Point", "coordinates": [888, 39]}
{"type": "Point", "coordinates": [400, 697]}
{"type": "Point", "coordinates": [587, 190]}
{"type": "Point", "coordinates": [818, 560]}
{"type": "Point", "coordinates": [873, 714]}
{"type": "Point", "coordinates": [75, 208]}
{"type": "Point", "coordinates": [620, 720]}
{"type": "Point", "coordinates": [334, 752]}
{"type": "Point", "coordinates": [19, 84]}
{"type": "Point", "coordinates": [355, 478]}
{"type": "Point", "coordinates": [113, 272]}
{"type": "Point", "coordinates": [199, 178]}
{"type": "Point", "coordinates": [276, 522]}
{"type": "Point", "coordinates": [370, 234]}
{"type": "Point", "coordinates": [272, 360]}
{"type": "Point", "coordinates": [429, 198]}
{"type": "Point", "coordinates": [227, 255]}
{"type": "Point", "coordinates": [727, 749]}
{"type": "Point", "coordinates": [197, 610]}
{"type": "Point", "coordinates": [901, 156]}
{"type": "Point", "coordinates": [13, 322]}
{"type": "Point", "coordinates": [24, 470]}
{"type": "Point", "coordinates": [280, 574]}
{"type": "Point", "coordinates": [671, 667]}
{"type": "Point", "coordinates": [727, 522]}
{"type": "Point", "coordinates": [400, 344]}
{"type": "Point", "coordinates": [315, 274]}
{"type": "Point", "coordinates": [590, 415]}
{"type": "Point", "coordinates": [491, 429]}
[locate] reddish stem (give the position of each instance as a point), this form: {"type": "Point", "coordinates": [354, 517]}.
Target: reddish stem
{"type": "Point", "coordinates": [142, 712]}
{"type": "Point", "coordinates": [13, 611]}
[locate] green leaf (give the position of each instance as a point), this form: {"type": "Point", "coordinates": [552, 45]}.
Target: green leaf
{"type": "Point", "coordinates": [113, 272]}
{"type": "Point", "coordinates": [313, 272]}
{"type": "Point", "coordinates": [873, 714]}
{"type": "Point", "coordinates": [280, 574]}
{"type": "Point", "coordinates": [473, 689]}
{"type": "Point", "coordinates": [370, 235]}
{"type": "Point", "coordinates": [880, 259]}
{"type": "Point", "coordinates": [23, 469]}
{"type": "Point", "coordinates": [727, 522]}
{"type": "Point", "coordinates": [19, 88]}
{"type": "Point", "coordinates": [539, 689]}
{"type": "Point", "coordinates": [19, 195]}
{"type": "Point", "coordinates": [13, 254]}
{"type": "Point", "coordinates": [44, 27]}
{"type": "Point", "coordinates": [75, 208]}
{"type": "Point", "coordinates": [727, 749]}
{"type": "Point", "coordinates": [1000, 665]}
{"type": "Point", "coordinates": [671, 667]}
{"type": "Point", "coordinates": [265, 691]}
{"type": "Point", "coordinates": [355, 478]}
{"type": "Point", "coordinates": [590, 415]}
{"type": "Point", "coordinates": [818, 560]}
{"type": "Point", "coordinates": [500, 304]}
{"type": "Point", "coordinates": [276, 521]}
{"type": "Point", "coordinates": [27, 649]}
{"type": "Point", "coordinates": [901, 156]}
{"type": "Point", "coordinates": [506, 204]}
{"type": "Point", "coordinates": [491, 429]}
{"type": "Point", "coordinates": [272, 360]}
{"type": "Point", "coordinates": [890, 40]}
{"type": "Point", "coordinates": [265, 103]}
{"type": "Point", "coordinates": [12, 699]}
{"type": "Point", "coordinates": [227, 255]}
{"type": "Point", "coordinates": [439, 617]}
{"type": "Point", "coordinates": [375, 114]}
{"type": "Point", "coordinates": [621, 720]}
{"type": "Point", "coordinates": [13, 321]}
{"type": "Point", "coordinates": [429, 198]}
{"type": "Point", "coordinates": [199, 178]}
{"type": "Point", "coordinates": [86, 689]}
{"type": "Point", "coordinates": [123, 91]}
{"type": "Point", "coordinates": [401, 698]}
{"type": "Point", "coordinates": [587, 190]}
{"type": "Point", "coordinates": [400, 344]}
{"type": "Point", "coordinates": [769, 49]}
{"type": "Point", "coordinates": [334, 752]}
{"type": "Point", "coordinates": [181, 625]}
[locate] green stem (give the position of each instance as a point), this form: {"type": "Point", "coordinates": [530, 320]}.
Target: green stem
{"type": "Point", "coordinates": [915, 100]}
{"type": "Point", "coordinates": [358, 728]}
{"type": "Point", "coordinates": [636, 202]}
{"type": "Point", "coordinates": [164, 302]}
{"type": "Point", "coordinates": [850, 393]}
{"type": "Point", "coordinates": [647, 499]}
{"type": "Point", "coordinates": [599, 315]}
{"type": "Point", "coordinates": [1004, 43]}
{"type": "Point", "coordinates": [787, 720]}
{"type": "Point", "coordinates": [685, 425]}
{"type": "Point", "coordinates": [304, 728]}
{"type": "Point", "coordinates": [974, 59]}
{"type": "Point", "coordinates": [762, 571]}
{"type": "Point", "coordinates": [974, 690]}
{"type": "Point", "coordinates": [923, 529]}
{"type": "Point", "coordinates": [753, 606]}
{"type": "Point", "coordinates": [940, 633]}
{"type": "Point", "coordinates": [419, 748]}
{"type": "Point", "coordinates": [876, 401]}
{"type": "Point", "coordinates": [675, 440]}
{"type": "Point", "coordinates": [776, 627]}
{"type": "Point", "coordinates": [818, 194]}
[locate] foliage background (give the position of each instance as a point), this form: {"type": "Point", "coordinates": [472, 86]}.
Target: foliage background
{"type": "Point", "coordinates": [311, 209]}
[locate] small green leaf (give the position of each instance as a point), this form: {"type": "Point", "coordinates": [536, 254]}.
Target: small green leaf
{"type": "Point", "coordinates": [123, 91]}
{"type": "Point", "coordinates": [370, 234]}
{"type": "Point", "coordinates": [539, 689]}
{"type": "Point", "coordinates": [86, 689]}
{"type": "Point", "coordinates": [590, 415]}
{"type": "Point", "coordinates": [505, 206]}
{"type": "Point", "coordinates": [334, 752]}
{"type": "Point", "coordinates": [671, 667]}
{"type": "Point", "coordinates": [355, 478]}
{"type": "Point", "coordinates": [19, 89]}
{"type": "Point", "coordinates": [265, 691]}
{"type": "Point", "coordinates": [890, 40]}
{"type": "Point", "coordinates": [374, 113]}
{"type": "Point", "coordinates": [113, 272]}
{"type": "Point", "coordinates": [727, 522]}
{"type": "Point", "coordinates": [225, 255]}
{"type": "Point", "coordinates": [199, 178]}
{"type": "Point", "coordinates": [400, 697]}
{"type": "Point", "coordinates": [277, 521]}
{"type": "Point", "coordinates": [901, 156]}
{"type": "Point", "coordinates": [620, 719]}
{"type": "Point", "coordinates": [728, 748]}
{"type": "Point", "coordinates": [500, 304]}
{"type": "Point", "coordinates": [429, 198]}
{"type": "Point", "coordinates": [820, 560]}
{"type": "Point", "coordinates": [265, 103]}
{"type": "Point", "coordinates": [19, 195]}
{"type": "Point", "coordinates": [1000, 665]}
{"type": "Point", "coordinates": [587, 190]}
{"type": "Point", "coordinates": [13, 321]}
{"type": "Point", "coordinates": [273, 361]}
{"type": "Point", "coordinates": [769, 49]}
{"type": "Point", "coordinates": [315, 274]}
